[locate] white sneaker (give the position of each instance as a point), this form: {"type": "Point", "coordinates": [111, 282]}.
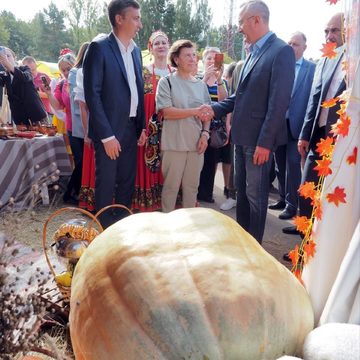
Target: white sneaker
{"type": "Point", "coordinates": [228, 204]}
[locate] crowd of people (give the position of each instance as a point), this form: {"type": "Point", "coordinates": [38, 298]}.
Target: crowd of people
{"type": "Point", "coordinates": [270, 105]}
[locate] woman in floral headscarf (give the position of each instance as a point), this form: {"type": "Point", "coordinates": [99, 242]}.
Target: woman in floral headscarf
{"type": "Point", "coordinates": [148, 186]}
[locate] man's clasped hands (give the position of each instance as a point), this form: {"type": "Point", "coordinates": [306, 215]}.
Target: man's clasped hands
{"type": "Point", "coordinates": [205, 112]}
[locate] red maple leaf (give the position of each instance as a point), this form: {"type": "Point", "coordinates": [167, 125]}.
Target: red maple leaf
{"type": "Point", "coordinates": [294, 255]}
{"type": "Point", "coordinates": [323, 168]}
{"type": "Point", "coordinates": [328, 50]}
{"type": "Point", "coordinates": [329, 103]}
{"type": "Point", "coordinates": [351, 159]}
{"type": "Point", "coordinates": [337, 197]}
{"type": "Point", "coordinates": [307, 190]}
{"type": "Point", "coordinates": [309, 248]}
{"type": "Point", "coordinates": [341, 127]}
{"type": "Point", "coordinates": [332, 1]}
{"type": "Point", "coordinates": [302, 223]}
{"type": "Point", "coordinates": [325, 147]}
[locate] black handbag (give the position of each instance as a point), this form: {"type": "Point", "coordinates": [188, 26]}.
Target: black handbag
{"type": "Point", "coordinates": [218, 134]}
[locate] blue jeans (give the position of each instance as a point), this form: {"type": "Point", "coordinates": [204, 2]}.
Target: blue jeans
{"type": "Point", "coordinates": [252, 183]}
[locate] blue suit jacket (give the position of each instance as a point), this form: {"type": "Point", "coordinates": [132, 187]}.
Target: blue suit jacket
{"type": "Point", "coordinates": [324, 73]}
{"type": "Point", "coordinates": [107, 91]}
{"type": "Point", "coordinates": [300, 97]}
{"type": "Point", "coordinates": [262, 97]}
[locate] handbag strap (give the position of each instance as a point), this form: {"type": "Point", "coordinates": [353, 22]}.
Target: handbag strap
{"type": "Point", "coordinates": [154, 81]}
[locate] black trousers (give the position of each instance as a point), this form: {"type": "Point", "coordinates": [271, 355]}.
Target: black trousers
{"type": "Point", "coordinates": [309, 174]}
{"type": "Point", "coordinates": [115, 179]}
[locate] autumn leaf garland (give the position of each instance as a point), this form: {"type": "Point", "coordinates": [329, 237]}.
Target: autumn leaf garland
{"type": "Point", "coordinates": [309, 190]}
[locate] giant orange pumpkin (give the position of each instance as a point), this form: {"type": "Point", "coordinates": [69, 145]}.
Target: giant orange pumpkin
{"type": "Point", "coordinates": [191, 284]}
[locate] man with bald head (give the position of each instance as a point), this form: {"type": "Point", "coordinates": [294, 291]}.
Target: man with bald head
{"type": "Point", "coordinates": [329, 82]}
{"type": "Point", "coordinates": [259, 106]}
{"type": "Point", "coordinates": [287, 157]}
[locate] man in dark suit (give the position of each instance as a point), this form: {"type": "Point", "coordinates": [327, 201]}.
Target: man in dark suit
{"type": "Point", "coordinates": [259, 106]}
{"type": "Point", "coordinates": [329, 82]}
{"type": "Point", "coordinates": [287, 157]}
{"type": "Point", "coordinates": [113, 88]}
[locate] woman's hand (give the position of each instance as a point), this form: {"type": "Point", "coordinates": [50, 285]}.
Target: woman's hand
{"type": "Point", "coordinates": [87, 140]}
{"type": "Point", "coordinates": [142, 138]}
{"type": "Point", "coordinates": [202, 143]}
{"type": "Point", "coordinates": [209, 73]}
{"type": "Point", "coordinates": [219, 74]}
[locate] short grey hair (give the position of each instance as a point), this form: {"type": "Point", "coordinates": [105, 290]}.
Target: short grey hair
{"type": "Point", "coordinates": [299, 33]}
{"type": "Point", "coordinates": [257, 7]}
{"type": "Point", "coordinates": [210, 49]}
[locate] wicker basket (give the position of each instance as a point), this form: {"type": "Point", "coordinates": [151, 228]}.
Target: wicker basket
{"type": "Point", "coordinates": [65, 290]}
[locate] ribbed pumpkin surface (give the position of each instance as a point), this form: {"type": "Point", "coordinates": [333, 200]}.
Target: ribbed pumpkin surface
{"type": "Point", "coordinates": [191, 284]}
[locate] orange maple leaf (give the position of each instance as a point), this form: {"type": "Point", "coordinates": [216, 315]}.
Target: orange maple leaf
{"type": "Point", "coordinates": [342, 109]}
{"type": "Point", "coordinates": [297, 274]}
{"type": "Point", "coordinates": [329, 103]}
{"type": "Point", "coordinates": [302, 223]}
{"type": "Point", "coordinates": [351, 159]}
{"type": "Point", "coordinates": [341, 127]}
{"type": "Point", "coordinates": [294, 255]}
{"type": "Point", "coordinates": [328, 50]}
{"type": "Point", "coordinates": [323, 168]}
{"type": "Point", "coordinates": [332, 1]}
{"type": "Point", "coordinates": [337, 197]}
{"type": "Point", "coordinates": [307, 190]}
{"type": "Point", "coordinates": [325, 147]}
{"type": "Point", "coordinates": [309, 248]}
{"type": "Point", "coordinates": [317, 209]}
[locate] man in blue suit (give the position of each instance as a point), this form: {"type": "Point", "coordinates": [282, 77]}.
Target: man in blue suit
{"type": "Point", "coordinates": [329, 82]}
{"type": "Point", "coordinates": [287, 157]}
{"type": "Point", "coordinates": [113, 88]}
{"type": "Point", "coordinates": [259, 106]}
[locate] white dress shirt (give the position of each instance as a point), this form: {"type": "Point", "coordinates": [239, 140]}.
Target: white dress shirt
{"type": "Point", "coordinates": [130, 72]}
{"type": "Point", "coordinates": [126, 54]}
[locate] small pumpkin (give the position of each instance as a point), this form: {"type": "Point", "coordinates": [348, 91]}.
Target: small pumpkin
{"type": "Point", "coordinates": [191, 284]}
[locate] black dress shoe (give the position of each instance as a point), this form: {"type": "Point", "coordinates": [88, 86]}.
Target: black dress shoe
{"type": "Point", "coordinates": [206, 199]}
{"type": "Point", "coordinates": [278, 205]}
{"type": "Point", "coordinates": [291, 230]}
{"type": "Point", "coordinates": [287, 214]}
{"type": "Point", "coordinates": [286, 257]}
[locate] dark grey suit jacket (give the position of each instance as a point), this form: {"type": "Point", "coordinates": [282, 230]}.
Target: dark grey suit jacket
{"type": "Point", "coordinates": [107, 91]}
{"type": "Point", "coordinates": [300, 97]}
{"type": "Point", "coordinates": [324, 74]}
{"type": "Point", "coordinates": [262, 97]}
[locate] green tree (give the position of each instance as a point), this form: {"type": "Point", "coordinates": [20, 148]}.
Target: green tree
{"type": "Point", "coordinates": [156, 15]}
{"type": "Point", "coordinates": [83, 16]}
{"type": "Point", "coordinates": [103, 24]}
{"type": "Point", "coordinates": [51, 33]}
{"type": "Point", "coordinates": [201, 22]}
{"type": "Point", "coordinates": [4, 32]}
{"type": "Point", "coordinates": [16, 34]}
